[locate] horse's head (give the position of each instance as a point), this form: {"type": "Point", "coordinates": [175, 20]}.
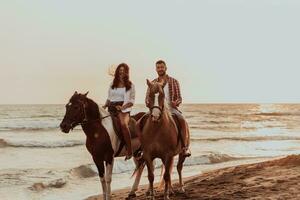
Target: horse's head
{"type": "Point", "coordinates": [75, 112]}
{"type": "Point", "coordinates": [156, 100]}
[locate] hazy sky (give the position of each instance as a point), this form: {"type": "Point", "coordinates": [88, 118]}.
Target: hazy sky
{"type": "Point", "coordinates": [234, 51]}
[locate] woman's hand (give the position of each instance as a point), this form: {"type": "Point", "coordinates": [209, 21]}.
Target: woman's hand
{"type": "Point", "coordinates": [119, 107]}
{"type": "Point", "coordinates": [128, 105]}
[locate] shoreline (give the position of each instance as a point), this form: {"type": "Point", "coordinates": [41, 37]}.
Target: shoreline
{"type": "Point", "coordinates": [277, 178]}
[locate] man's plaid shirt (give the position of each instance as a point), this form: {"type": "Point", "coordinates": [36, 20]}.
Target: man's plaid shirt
{"type": "Point", "coordinates": [174, 91]}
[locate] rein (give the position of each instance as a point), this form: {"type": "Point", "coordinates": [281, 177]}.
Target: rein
{"type": "Point", "coordinates": [159, 108]}
{"type": "Point", "coordinates": [85, 120]}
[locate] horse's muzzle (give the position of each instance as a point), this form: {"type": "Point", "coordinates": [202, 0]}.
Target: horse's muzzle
{"type": "Point", "coordinates": [64, 127]}
{"type": "Point", "coordinates": [155, 118]}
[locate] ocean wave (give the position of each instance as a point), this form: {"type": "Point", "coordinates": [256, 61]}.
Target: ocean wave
{"type": "Point", "coordinates": [34, 129]}
{"type": "Point", "coordinates": [276, 114]}
{"type": "Point", "coordinates": [121, 166]}
{"type": "Point", "coordinates": [258, 138]}
{"type": "Point", "coordinates": [29, 128]}
{"type": "Point", "coordinates": [212, 158]}
{"type": "Point", "coordinates": [46, 116]}
{"type": "Point", "coordinates": [39, 144]}
{"type": "Point", "coordinates": [83, 171]}
{"type": "Point", "coordinates": [218, 122]}
{"type": "Point", "coordinates": [58, 183]}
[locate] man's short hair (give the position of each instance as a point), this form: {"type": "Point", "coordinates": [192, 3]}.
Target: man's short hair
{"type": "Point", "coordinates": [160, 62]}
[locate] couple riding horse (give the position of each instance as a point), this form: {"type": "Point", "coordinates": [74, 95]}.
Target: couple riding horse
{"type": "Point", "coordinates": [161, 133]}
{"type": "Point", "coordinates": [121, 96]}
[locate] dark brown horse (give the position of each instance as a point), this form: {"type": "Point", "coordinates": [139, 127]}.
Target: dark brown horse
{"type": "Point", "coordinates": [160, 139]}
{"type": "Point", "coordinates": [101, 140]}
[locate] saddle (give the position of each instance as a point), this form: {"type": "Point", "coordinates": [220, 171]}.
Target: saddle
{"type": "Point", "coordinates": [117, 129]}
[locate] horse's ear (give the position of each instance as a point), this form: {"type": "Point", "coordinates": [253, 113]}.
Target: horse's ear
{"type": "Point", "coordinates": [86, 93]}
{"type": "Point", "coordinates": [76, 92]}
{"type": "Point", "coordinates": [148, 82]}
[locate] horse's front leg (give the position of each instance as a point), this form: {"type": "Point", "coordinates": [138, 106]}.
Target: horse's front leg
{"type": "Point", "coordinates": [150, 167]}
{"type": "Point", "coordinates": [100, 167]}
{"type": "Point", "coordinates": [108, 178]}
{"type": "Point", "coordinates": [181, 160]}
{"type": "Point", "coordinates": [167, 176]}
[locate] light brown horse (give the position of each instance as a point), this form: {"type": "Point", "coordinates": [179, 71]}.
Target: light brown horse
{"type": "Point", "coordinates": [160, 139]}
{"type": "Point", "coordinates": [101, 139]}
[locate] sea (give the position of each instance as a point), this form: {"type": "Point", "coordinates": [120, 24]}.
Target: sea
{"type": "Point", "coordinates": [38, 161]}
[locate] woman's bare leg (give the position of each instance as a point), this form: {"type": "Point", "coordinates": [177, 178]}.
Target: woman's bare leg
{"type": "Point", "coordinates": [124, 120]}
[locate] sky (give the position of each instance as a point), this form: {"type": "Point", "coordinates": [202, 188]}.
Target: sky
{"type": "Point", "coordinates": [221, 51]}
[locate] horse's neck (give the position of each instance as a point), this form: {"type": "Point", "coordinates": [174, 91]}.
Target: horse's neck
{"type": "Point", "coordinates": [92, 111]}
{"type": "Point", "coordinates": [93, 117]}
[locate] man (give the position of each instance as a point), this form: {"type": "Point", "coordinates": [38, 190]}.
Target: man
{"type": "Point", "coordinates": [173, 98]}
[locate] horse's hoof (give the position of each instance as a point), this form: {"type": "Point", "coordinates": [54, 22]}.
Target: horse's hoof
{"type": "Point", "coordinates": [148, 193]}
{"type": "Point", "coordinates": [181, 190]}
{"type": "Point", "coordinates": [172, 192]}
{"type": "Point", "coordinates": [151, 197]}
{"type": "Point", "coordinates": [131, 196]}
{"type": "Point", "coordinates": [167, 197]}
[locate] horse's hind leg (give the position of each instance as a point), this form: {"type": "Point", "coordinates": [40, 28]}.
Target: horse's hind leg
{"type": "Point", "coordinates": [137, 179]}
{"type": "Point", "coordinates": [150, 167]}
{"type": "Point", "coordinates": [181, 160]}
{"type": "Point", "coordinates": [162, 181]}
{"type": "Point", "coordinates": [167, 176]}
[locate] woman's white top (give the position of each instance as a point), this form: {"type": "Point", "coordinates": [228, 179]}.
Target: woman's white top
{"type": "Point", "coordinates": [167, 94]}
{"type": "Point", "coordinates": [120, 94]}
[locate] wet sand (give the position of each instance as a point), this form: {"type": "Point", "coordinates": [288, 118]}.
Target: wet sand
{"type": "Point", "coordinates": [275, 179]}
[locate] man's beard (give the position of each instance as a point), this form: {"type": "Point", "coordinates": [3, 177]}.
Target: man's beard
{"type": "Point", "coordinates": [162, 73]}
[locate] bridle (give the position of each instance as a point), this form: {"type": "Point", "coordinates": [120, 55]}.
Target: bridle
{"type": "Point", "coordinates": [160, 108]}
{"type": "Point", "coordinates": [85, 120]}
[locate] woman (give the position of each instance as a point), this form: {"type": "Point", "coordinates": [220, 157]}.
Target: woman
{"type": "Point", "coordinates": [121, 96]}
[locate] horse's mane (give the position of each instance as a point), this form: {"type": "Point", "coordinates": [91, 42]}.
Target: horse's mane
{"type": "Point", "coordinates": [93, 109]}
{"type": "Point", "coordinates": [167, 108]}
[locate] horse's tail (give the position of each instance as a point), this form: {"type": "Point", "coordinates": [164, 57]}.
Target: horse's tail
{"type": "Point", "coordinates": [162, 181]}
{"type": "Point", "coordinates": [140, 164]}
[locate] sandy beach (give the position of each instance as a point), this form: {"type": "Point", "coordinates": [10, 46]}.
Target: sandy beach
{"type": "Point", "coordinates": [275, 179]}
{"type": "Point", "coordinates": [40, 162]}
